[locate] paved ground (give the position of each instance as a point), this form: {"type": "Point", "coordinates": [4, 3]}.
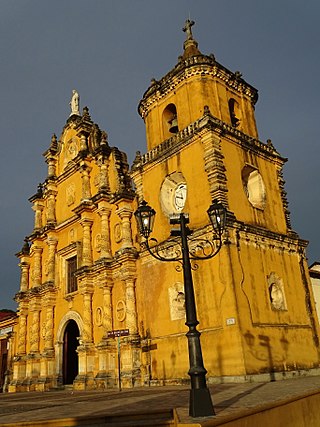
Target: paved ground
{"type": "Point", "coordinates": [230, 400]}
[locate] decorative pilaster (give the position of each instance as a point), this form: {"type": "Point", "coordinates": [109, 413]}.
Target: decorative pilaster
{"type": "Point", "coordinates": [50, 156]}
{"type": "Point", "coordinates": [131, 317]}
{"type": "Point", "coordinates": [35, 328]}
{"type": "Point", "coordinates": [107, 309]}
{"type": "Point", "coordinates": [22, 334]}
{"type": "Point", "coordinates": [38, 209]}
{"type": "Point", "coordinates": [52, 244]}
{"type": "Point", "coordinates": [86, 244]}
{"type": "Point", "coordinates": [105, 246]}
{"type": "Point", "coordinates": [37, 267]}
{"type": "Point", "coordinates": [87, 317]}
{"type": "Point", "coordinates": [85, 176]}
{"type": "Point", "coordinates": [284, 199]}
{"type": "Point", "coordinates": [24, 278]}
{"type": "Point", "coordinates": [103, 176]}
{"type": "Point", "coordinates": [51, 206]}
{"type": "Point", "coordinates": [83, 142]}
{"type": "Point", "coordinates": [125, 213]}
{"type": "Point", "coordinates": [214, 167]}
{"type": "Point", "coordinates": [49, 328]}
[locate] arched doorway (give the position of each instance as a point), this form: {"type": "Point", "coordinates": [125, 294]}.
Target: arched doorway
{"type": "Point", "coordinates": [70, 363]}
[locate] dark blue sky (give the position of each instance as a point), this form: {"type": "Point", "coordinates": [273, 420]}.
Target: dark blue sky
{"type": "Point", "coordinates": [110, 49]}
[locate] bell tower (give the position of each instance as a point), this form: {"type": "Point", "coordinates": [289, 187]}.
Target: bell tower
{"type": "Point", "coordinates": [254, 299]}
{"type": "Point", "coordinates": [178, 99]}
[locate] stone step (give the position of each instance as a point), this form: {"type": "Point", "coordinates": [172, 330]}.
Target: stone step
{"type": "Point", "coordinates": [149, 418]}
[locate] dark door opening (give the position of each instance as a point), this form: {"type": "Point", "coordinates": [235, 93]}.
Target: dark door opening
{"type": "Point", "coordinates": [70, 355]}
{"type": "Point", "coordinates": [3, 362]}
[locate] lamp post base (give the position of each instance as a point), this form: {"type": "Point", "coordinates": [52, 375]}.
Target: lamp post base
{"type": "Point", "coordinates": [200, 403]}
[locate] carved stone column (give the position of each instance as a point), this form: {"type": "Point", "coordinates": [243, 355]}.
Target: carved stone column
{"type": "Point", "coordinates": [52, 167]}
{"type": "Point", "coordinates": [85, 176]}
{"type": "Point", "coordinates": [22, 334]}
{"type": "Point", "coordinates": [83, 142]}
{"type": "Point", "coordinates": [103, 177]}
{"type": "Point", "coordinates": [87, 318]}
{"type": "Point", "coordinates": [52, 243]}
{"type": "Point", "coordinates": [24, 278]}
{"type": "Point", "coordinates": [214, 167]}
{"type": "Point", "coordinates": [107, 309]}
{"type": "Point", "coordinates": [125, 213]}
{"type": "Point", "coordinates": [35, 328]}
{"type": "Point", "coordinates": [86, 244]}
{"type": "Point", "coordinates": [51, 207]}
{"type": "Point", "coordinates": [131, 316]}
{"type": "Point", "coordinates": [49, 325]}
{"type": "Point", "coordinates": [37, 267]}
{"type": "Point", "coordinates": [38, 209]}
{"type": "Point", "coordinates": [51, 158]}
{"type": "Point", "coordinates": [105, 246]}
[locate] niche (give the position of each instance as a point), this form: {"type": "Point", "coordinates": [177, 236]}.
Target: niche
{"type": "Point", "coordinates": [234, 111]}
{"type": "Point", "coordinates": [170, 120]}
{"type": "Point", "coordinates": [254, 187]}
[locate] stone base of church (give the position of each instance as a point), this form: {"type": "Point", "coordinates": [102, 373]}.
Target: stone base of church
{"type": "Point", "coordinates": [265, 377]}
{"type": "Point", "coordinates": [84, 382]}
{"type": "Point", "coordinates": [131, 378]}
{"type": "Point", "coordinates": [104, 380]}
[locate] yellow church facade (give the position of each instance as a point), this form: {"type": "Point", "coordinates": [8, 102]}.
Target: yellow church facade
{"type": "Point", "coordinates": [86, 276]}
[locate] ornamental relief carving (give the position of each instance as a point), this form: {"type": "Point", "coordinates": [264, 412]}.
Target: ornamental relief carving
{"type": "Point", "coordinates": [98, 243]}
{"type": "Point", "coordinates": [70, 152]}
{"type": "Point", "coordinates": [98, 316]}
{"type": "Point", "coordinates": [96, 180]}
{"type": "Point", "coordinates": [72, 235]}
{"type": "Point", "coordinates": [121, 310]}
{"type": "Point", "coordinates": [177, 301]}
{"type": "Point", "coordinates": [71, 194]}
{"type": "Point", "coordinates": [118, 232]}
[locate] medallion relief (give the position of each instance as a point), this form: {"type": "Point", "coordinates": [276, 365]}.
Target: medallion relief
{"type": "Point", "coordinates": [121, 310]}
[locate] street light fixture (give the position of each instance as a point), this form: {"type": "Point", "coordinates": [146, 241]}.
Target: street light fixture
{"type": "Point", "coordinates": [200, 403]}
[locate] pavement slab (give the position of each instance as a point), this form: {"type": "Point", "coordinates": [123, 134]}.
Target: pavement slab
{"type": "Point", "coordinates": [230, 401]}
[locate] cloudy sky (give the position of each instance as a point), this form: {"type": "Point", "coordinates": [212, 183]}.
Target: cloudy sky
{"type": "Point", "coordinates": [110, 49]}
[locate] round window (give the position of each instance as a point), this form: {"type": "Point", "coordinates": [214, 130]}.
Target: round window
{"type": "Point", "coordinates": [254, 187]}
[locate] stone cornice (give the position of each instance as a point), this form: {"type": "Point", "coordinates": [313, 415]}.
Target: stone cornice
{"type": "Point", "coordinates": [205, 123]}
{"type": "Point", "coordinates": [196, 65]}
{"type": "Point", "coordinates": [238, 231]}
{"type": "Point", "coordinates": [37, 291]}
{"type": "Point", "coordinates": [253, 234]}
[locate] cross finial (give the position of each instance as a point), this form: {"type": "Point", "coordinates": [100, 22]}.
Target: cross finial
{"type": "Point", "coordinates": [187, 29]}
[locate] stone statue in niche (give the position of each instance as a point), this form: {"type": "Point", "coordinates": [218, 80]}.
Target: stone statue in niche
{"type": "Point", "coordinates": [95, 136]}
{"type": "Point", "coordinates": [74, 103]}
{"type": "Point", "coordinates": [276, 297]}
{"type": "Point", "coordinates": [98, 243]}
{"type": "Point", "coordinates": [117, 232]}
{"type": "Point", "coordinates": [71, 235]}
{"type": "Point", "coordinates": [71, 194]}
{"type": "Point", "coordinates": [177, 301]}
{"type": "Point", "coordinates": [276, 292]}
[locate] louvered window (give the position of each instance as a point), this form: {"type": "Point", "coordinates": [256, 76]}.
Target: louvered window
{"type": "Point", "coordinates": [72, 280]}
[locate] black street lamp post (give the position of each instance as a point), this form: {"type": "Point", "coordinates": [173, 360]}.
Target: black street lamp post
{"type": "Point", "coordinates": [200, 403]}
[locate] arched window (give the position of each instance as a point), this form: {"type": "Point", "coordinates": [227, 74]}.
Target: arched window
{"type": "Point", "coordinates": [170, 120]}
{"type": "Point", "coordinates": [234, 112]}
